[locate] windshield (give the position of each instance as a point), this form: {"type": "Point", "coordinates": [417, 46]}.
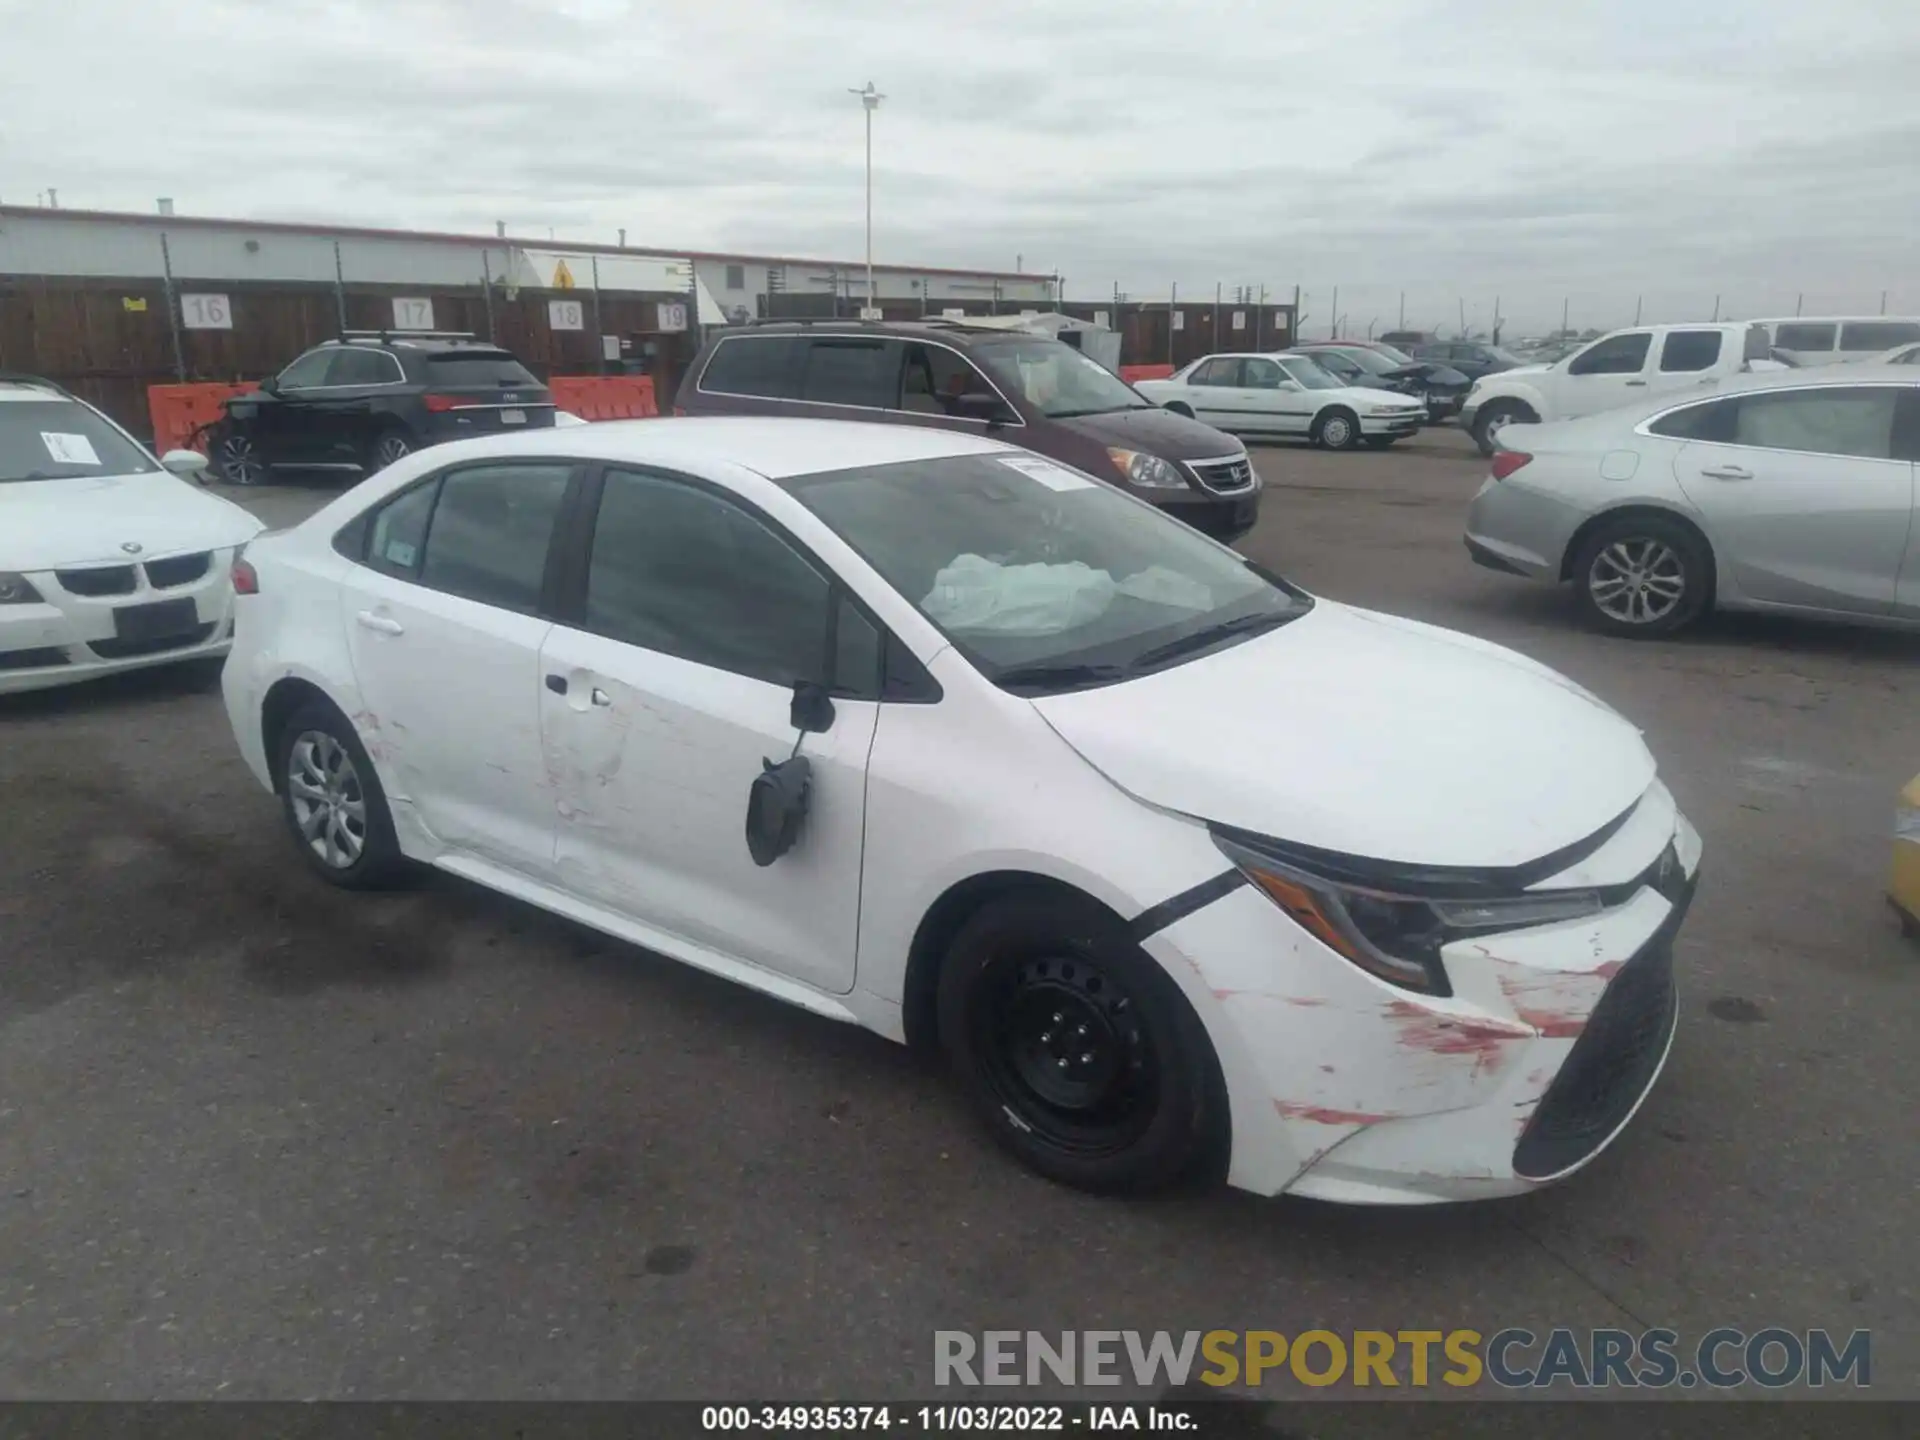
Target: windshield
{"type": "Point", "coordinates": [1310, 375]}
{"type": "Point", "coordinates": [1505, 357]}
{"type": "Point", "coordinates": [1057, 379]}
{"type": "Point", "coordinates": [1371, 361]}
{"type": "Point", "coordinates": [60, 440]}
{"type": "Point", "coordinates": [1045, 579]}
{"type": "Point", "coordinates": [1394, 356]}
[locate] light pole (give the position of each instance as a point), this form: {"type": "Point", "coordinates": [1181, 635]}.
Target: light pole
{"type": "Point", "coordinates": [870, 99]}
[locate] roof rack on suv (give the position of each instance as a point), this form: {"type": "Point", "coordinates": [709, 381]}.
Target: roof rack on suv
{"type": "Point", "coordinates": [386, 337]}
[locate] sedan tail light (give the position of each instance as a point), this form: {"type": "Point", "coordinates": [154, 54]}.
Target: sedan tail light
{"type": "Point", "coordinates": [1505, 462]}
{"type": "Point", "coordinates": [246, 581]}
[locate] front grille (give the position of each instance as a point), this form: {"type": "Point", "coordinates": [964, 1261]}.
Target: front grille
{"type": "Point", "coordinates": [40, 659]}
{"type": "Point", "coordinates": [102, 580]}
{"type": "Point", "coordinates": [1609, 1067]}
{"type": "Point", "coordinates": [178, 569]}
{"type": "Point", "coordinates": [134, 649]}
{"type": "Point", "coordinates": [1224, 477]}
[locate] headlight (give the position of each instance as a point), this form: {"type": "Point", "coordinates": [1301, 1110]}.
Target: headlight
{"type": "Point", "coordinates": [1148, 471]}
{"type": "Point", "coordinates": [1397, 937]}
{"type": "Point", "coordinates": [17, 590]}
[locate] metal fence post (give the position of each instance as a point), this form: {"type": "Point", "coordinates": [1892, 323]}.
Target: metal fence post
{"type": "Point", "coordinates": [486, 291]}
{"type": "Point", "coordinates": [599, 340]}
{"type": "Point", "coordinates": [173, 310]}
{"type": "Point", "coordinates": [340, 290]}
{"type": "Point", "coordinates": [1173, 307]}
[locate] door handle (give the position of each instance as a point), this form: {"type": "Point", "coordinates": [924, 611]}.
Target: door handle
{"type": "Point", "coordinates": [1726, 472]}
{"type": "Point", "coordinates": [382, 624]}
{"type": "Point", "coordinates": [601, 698]}
{"type": "Point", "coordinates": [557, 684]}
{"type": "Point", "coordinates": [1640, 383]}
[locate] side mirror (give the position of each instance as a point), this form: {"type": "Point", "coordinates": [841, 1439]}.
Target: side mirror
{"type": "Point", "coordinates": [184, 463]}
{"type": "Point", "coordinates": [812, 708]}
{"type": "Point", "coordinates": [268, 386]}
{"type": "Point", "coordinates": [1293, 385]}
{"type": "Point", "coordinates": [976, 406]}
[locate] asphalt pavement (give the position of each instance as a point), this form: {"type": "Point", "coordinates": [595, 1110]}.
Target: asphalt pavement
{"type": "Point", "coordinates": [262, 1139]}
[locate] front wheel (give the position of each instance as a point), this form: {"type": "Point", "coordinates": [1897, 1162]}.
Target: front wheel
{"type": "Point", "coordinates": [237, 459]}
{"type": "Point", "coordinates": [1488, 424]}
{"type": "Point", "coordinates": [1337, 429]}
{"type": "Point", "coordinates": [1077, 1051]}
{"type": "Point", "coordinates": [1643, 575]}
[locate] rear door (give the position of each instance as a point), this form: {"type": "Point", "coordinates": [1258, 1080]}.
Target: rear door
{"type": "Point", "coordinates": [1609, 372]}
{"type": "Point", "coordinates": [663, 695]}
{"type": "Point", "coordinates": [444, 622]}
{"type": "Point", "coordinates": [1805, 498]}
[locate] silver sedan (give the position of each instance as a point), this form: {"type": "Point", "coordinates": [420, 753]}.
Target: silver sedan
{"type": "Point", "coordinates": [1790, 492]}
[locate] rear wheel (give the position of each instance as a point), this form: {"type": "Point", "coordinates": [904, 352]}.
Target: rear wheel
{"type": "Point", "coordinates": [333, 802]}
{"type": "Point", "coordinates": [1076, 1049]}
{"type": "Point", "coordinates": [1337, 429]}
{"type": "Point", "coordinates": [1643, 575]}
{"type": "Point", "coordinates": [237, 459]}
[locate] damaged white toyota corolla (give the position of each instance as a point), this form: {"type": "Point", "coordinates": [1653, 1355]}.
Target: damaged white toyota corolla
{"type": "Point", "coordinates": [1183, 868]}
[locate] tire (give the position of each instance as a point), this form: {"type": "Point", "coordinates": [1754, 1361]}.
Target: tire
{"type": "Point", "coordinates": [1380, 442]}
{"type": "Point", "coordinates": [389, 447]}
{"type": "Point", "coordinates": [236, 458]}
{"type": "Point", "coordinates": [1643, 575]}
{"type": "Point", "coordinates": [1337, 428]}
{"type": "Point", "coordinates": [1490, 421]}
{"type": "Point", "coordinates": [321, 767]}
{"type": "Point", "coordinates": [1033, 973]}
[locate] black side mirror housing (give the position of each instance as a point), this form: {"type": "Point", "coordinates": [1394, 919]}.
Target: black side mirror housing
{"type": "Point", "coordinates": [268, 386]}
{"type": "Point", "coordinates": [975, 406]}
{"type": "Point", "coordinates": [812, 709]}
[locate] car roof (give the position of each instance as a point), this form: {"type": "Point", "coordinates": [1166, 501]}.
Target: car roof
{"type": "Point", "coordinates": [30, 387]}
{"type": "Point", "coordinates": [932, 328]}
{"type": "Point", "coordinates": [777, 447]}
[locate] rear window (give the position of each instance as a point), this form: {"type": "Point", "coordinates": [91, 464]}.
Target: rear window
{"type": "Point", "coordinates": [479, 368]}
{"type": "Point", "coordinates": [1872, 335]}
{"type": "Point", "coordinates": [757, 365]}
{"type": "Point", "coordinates": [1804, 337]}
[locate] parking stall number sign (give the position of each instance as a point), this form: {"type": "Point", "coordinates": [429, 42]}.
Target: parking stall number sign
{"type": "Point", "coordinates": [206, 312]}
{"type": "Point", "coordinates": [566, 315]}
{"type": "Point", "coordinates": [412, 313]}
{"type": "Point", "coordinates": [1239, 319]}
{"type": "Point", "coordinates": [673, 316]}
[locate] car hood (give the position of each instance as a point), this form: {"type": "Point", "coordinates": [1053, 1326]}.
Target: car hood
{"type": "Point", "coordinates": [1369, 735]}
{"type": "Point", "coordinates": [1519, 370]}
{"type": "Point", "coordinates": [1158, 432]}
{"type": "Point", "coordinates": [47, 523]}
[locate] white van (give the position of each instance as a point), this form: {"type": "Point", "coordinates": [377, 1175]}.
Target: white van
{"type": "Point", "coordinates": [1830, 339]}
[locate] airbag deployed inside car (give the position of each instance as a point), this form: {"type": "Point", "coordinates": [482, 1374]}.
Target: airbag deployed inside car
{"type": "Point", "coordinates": [975, 593]}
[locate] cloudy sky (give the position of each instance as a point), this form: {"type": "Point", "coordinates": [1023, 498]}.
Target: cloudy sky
{"type": "Point", "coordinates": [1601, 152]}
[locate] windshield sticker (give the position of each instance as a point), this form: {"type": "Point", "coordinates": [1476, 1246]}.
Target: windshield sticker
{"type": "Point", "coordinates": [69, 449]}
{"type": "Point", "coordinates": [1054, 477]}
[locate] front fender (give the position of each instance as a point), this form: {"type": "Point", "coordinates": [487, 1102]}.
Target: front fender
{"type": "Point", "coordinates": [1532, 396]}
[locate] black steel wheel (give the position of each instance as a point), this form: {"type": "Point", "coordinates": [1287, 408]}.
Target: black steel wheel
{"type": "Point", "coordinates": [1078, 1051]}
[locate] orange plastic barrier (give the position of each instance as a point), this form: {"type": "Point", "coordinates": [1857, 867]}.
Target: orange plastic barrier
{"type": "Point", "coordinates": [178, 411]}
{"type": "Point", "coordinates": [605, 397]}
{"type": "Point", "coordinates": [1131, 373]}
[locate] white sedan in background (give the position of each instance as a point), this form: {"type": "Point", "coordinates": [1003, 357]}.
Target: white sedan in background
{"type": "Point", "coordinates": [109, 559]}
{"type": "Point", "coordinates": [1791, 491]}
{"type": "Point", "coordinates": [1283, 394]}
{"type": "Point", "coordinates": [927, 733]}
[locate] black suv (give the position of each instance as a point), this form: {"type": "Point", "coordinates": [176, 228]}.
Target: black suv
{"type": "Point", "coordinates": [362, 402]}
{"type": "Point", "coordinates": [1013, 385]}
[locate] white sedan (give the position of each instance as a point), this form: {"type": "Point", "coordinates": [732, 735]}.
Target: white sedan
{"type": "Point", "coordinates": [1283, 394]}
{"type": "Point", "coordinates": [927, 733]}
{"type": "Point", "coordinates": [109, 559]}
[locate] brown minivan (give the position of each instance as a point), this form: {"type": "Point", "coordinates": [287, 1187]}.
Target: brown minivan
{"type": "Point", "coordinates": [1026, 389]}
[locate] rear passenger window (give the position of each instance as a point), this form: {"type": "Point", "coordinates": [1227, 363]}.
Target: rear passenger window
{"type": "Point", "coordinates": [1688, 350]}
{"type": "Point", "coordinates": [400, 531]}
{"type": "Point", "coordinates": [1216, 372]}
{"type": "Point", "coordinates": [1712, 422]}
{"type": "Point", "coordinates": [1616, 355]}
{"type": "Point", "coordinates": [1813, 338]}
{"type": "Point", "coordinates": [757, 365]}
{"type": "Point", "coordinates": [1868, 336]}
{"type": "Point", "coordinates": [490, 531]}
{"type": "Point", "coordinates": [1830, 420]}
{"type": "Point", "coordinates": [853, 372]}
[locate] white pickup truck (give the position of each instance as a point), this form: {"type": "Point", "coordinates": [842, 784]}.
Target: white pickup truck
{"type": "Point", "coordinates": [1617, 369]}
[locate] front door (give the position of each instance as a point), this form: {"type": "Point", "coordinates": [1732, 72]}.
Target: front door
{"type": "Point", "coordinates": [442, 619]}
{"type": "Point", "coordinates": [1608, 373]}
{"type": "Point", "coordinates": [283, 426]}
{"type": "Point", "coordinates": [661, 706]}
{"type": "Point", "coordinates": [1805, 500]}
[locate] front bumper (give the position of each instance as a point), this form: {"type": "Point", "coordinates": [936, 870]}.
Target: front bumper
{"type": "Point", "coordinates": [71, 636]}
{"type": "Point", "coordinates": [1394, 425]}
{"type": "Point", "coordinates": [1225, 517]}
{"type": "Point", "coordinates": [1354, 1091]}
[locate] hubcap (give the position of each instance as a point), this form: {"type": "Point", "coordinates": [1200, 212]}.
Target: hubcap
{"type": "Point", "coordinates": [1637, 581]}
{"type": "Point", "coordinates": [329, 805]}
{"type": "Point", "coordinates": [389, 450]}
{"type": "Point", "coordinates": [1495, 424]}
{"type": "Point", "coordinates": [240, 461]}
{"type": "Point", "coordinates": [1336, 432]}
{"type": "Point", "coordinates": [1066, 1049]}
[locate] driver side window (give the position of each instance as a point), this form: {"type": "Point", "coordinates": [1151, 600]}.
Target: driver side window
{"type": "Point", "coordinates": [310, 369]}
{"type": "Point", "coordinates": [1261, 375]}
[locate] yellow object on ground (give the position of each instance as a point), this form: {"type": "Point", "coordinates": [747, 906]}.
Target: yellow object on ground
{"type": "Point", "coordinates": [1903, 888]}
